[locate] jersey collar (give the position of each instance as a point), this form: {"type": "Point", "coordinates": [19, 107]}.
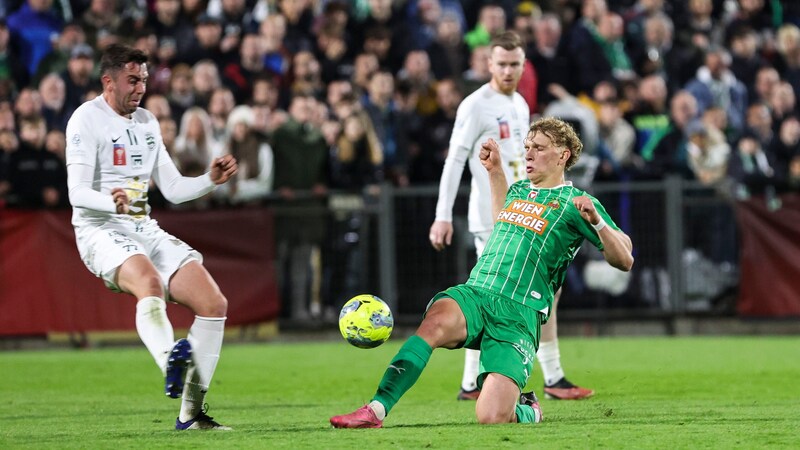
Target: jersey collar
{"type": "Point", "coordinates": [565, 184]}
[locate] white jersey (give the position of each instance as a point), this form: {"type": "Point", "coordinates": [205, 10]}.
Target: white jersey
{"type": "Point", "coordinates": [124, 153]}
{"type": "Point", "coordinates": [484, 114]}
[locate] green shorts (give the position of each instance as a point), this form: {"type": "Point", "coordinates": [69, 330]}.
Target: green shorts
{"type": "Point", "coordinates": [506, 332]}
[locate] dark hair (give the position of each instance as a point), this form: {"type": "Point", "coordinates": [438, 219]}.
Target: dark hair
{"type": "Point", "coordinates": [508, 40]}
{"type": "Point", "coordinates": [117, 55]}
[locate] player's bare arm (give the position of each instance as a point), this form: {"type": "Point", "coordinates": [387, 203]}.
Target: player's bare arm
{"type": "Point", "coordinates": [490, 158]}
{"type": "Point", "coordinates": [617, 246]}
{"type": "Point", "coordinates": [223, 168]}
{"type": "Point", "coordinates": [121, 200]}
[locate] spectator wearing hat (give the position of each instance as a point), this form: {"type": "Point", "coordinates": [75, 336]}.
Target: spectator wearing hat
{"type": "Point", "coordinates": [78, 77]}
{"type": "Point", "coordinates": [253, 182]}
{"type": "Point", "coordinates": [163, 60]}
{"type": "Point", "coordinates": [205, 43]}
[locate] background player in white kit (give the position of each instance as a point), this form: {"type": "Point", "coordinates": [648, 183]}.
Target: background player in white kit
{"type": "Point", "coordinates": [498, 112]}
{"type": "Point", "coordinates": [113, 149]}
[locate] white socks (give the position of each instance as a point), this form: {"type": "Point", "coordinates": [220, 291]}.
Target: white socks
{"type": "Point", "coordinates": [550, 359]}
{"type": "Point", "coordinates": [471, 367]}
{"type": "Point", "coordinates": [378, 409]}
{"type": "Point", "coordinates": [205, 335]}
{"type": "Point", "coordinates": [154, 329]}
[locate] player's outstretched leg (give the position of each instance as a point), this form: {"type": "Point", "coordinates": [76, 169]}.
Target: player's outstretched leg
{"type": "Point", "coordinates": [177, 364]}
{"type": "Point", "coordinates": [402, 373]}
{"type": "Point", "coordinates": [469, 382]}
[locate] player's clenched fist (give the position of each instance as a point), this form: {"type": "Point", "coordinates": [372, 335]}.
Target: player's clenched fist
{"type": "Point", "coordinates": [587, 209]}
{"type": "Point", "coordinates": [223, 168]}
{"type": "Point", "coordinates": [121, 200]}
{"type": "Point", "coordinates": [490, 155]}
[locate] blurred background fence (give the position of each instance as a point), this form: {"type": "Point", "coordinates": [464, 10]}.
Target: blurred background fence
{"type": "Point", "coordinates": [684, 236]}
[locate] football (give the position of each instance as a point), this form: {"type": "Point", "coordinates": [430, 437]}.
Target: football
{"type": "Point", "coordinates": [366, 321]}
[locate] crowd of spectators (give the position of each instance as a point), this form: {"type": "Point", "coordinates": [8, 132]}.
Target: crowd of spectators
{"type": "Point", "coordinates": [313, 95]}
{"type": "Point", "coordinates": [367, 89]}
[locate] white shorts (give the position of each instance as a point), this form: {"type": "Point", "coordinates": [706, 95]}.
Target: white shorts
{"type": "Point", "coordinates": [104, 248]}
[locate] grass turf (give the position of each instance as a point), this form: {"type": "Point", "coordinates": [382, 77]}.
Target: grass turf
{"type": "Point", "coordinates": [722, 392]}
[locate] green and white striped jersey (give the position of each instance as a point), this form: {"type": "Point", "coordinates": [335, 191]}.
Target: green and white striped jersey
{"type": "Point", "coordinates": [535, 237]}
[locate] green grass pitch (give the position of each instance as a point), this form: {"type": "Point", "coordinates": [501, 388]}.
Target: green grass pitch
{"type": "Point", "coordinates": [661, 393]}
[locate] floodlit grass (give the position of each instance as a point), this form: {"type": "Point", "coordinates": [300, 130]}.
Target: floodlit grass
{"type": "Point", "coordinates": [661, 393]}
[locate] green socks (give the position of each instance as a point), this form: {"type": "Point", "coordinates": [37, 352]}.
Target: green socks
{"type": "Point", "coordinates": [403, 371]}
{"type": "Point", "coordinates": [526, 414]}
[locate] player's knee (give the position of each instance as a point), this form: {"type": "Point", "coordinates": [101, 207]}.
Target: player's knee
{"type": "Point", "coordinates": [146, 284]}
{"type": "Point", "coordinates": [437, 328]}
{"type": "Point", "coordinates": [493, 415]}
{"type": "Point", "coordinates": [215, 305]}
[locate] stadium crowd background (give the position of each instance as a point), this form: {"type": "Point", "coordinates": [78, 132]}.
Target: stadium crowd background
{"type": "Point", "coordinates": [312, 96]}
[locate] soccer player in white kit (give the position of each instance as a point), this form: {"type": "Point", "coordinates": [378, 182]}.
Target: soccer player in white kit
{"type": "Point", "coordinates": [113, 149]}
{"type": "Point", "coordinates": [498, 112]}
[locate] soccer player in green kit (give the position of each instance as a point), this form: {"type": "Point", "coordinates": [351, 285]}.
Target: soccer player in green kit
{"type": "Point", "coordinates": [539, 227]}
